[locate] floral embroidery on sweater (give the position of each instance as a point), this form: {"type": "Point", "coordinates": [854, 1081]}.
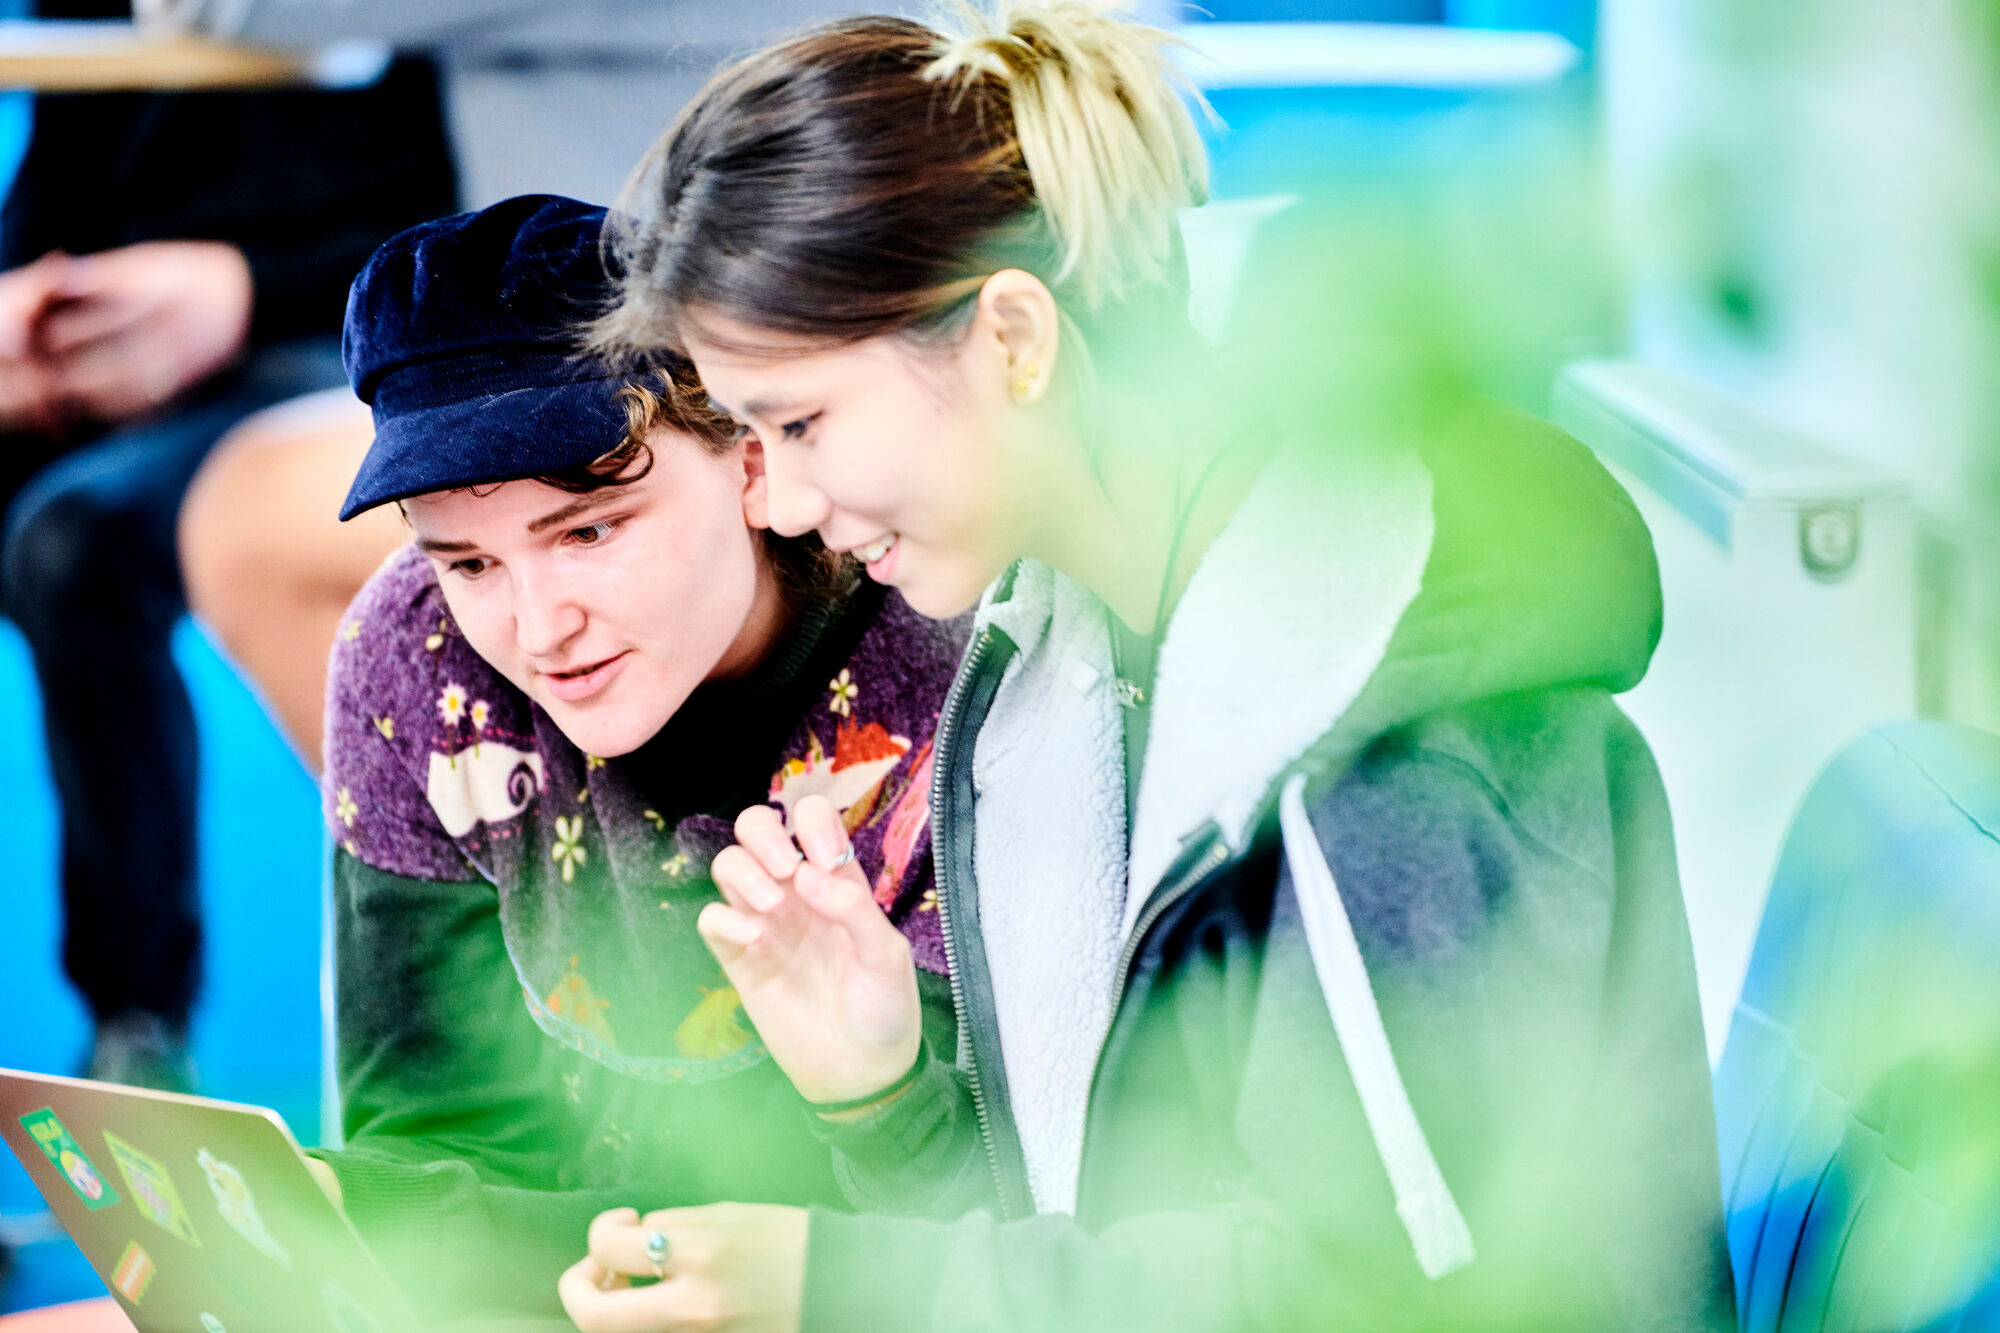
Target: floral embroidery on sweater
{"type": "Point", "coordinates": [438, 768]}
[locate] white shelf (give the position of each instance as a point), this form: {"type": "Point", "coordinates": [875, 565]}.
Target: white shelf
{"type": "Point", "coordinates": [1384, 55]}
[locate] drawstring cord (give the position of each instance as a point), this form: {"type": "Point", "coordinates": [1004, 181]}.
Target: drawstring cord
{"type": "Point", "coordinates": [1430, 1215]}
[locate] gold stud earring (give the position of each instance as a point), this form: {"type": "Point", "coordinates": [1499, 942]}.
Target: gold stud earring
{"type": "Point", "coordinates": [1024, 381]}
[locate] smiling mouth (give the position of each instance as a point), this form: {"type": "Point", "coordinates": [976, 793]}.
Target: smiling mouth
{"type": "Point", "coordinates": [579, 672]}
{"type": "Point", "coordinates": [580, 683]}
{"type": "Point", "coordinates": [875, 550]}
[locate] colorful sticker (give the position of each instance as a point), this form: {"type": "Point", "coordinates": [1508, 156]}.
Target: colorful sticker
{"type": "Point", "coordinates": [152, 1188]}
{"type": "Point", "coordinates": [67, 1156]}
{"type": "Point", "coordinates": [134, 1273]}
{"type": "Point", "coordinates": [345, 1313]}
{"type": "Point", "coordinates": [210, 1324]}
{"type": "Point", "coordinates": [238, 1207]}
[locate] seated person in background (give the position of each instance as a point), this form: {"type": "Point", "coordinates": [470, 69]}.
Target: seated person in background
{"type": "Point", "coordinates": [543, 98]}
{"type": "Point", "coordinates": [541, 717]}
{"type": "Point", "coordinates": [177, 261]}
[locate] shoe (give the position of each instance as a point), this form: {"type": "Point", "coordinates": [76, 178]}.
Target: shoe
{"type": "Point", "coordinates": [142, 1050]}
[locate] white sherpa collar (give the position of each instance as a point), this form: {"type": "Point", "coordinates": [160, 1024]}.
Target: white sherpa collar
{"type": "Point", "coordinates": [1285, 620]}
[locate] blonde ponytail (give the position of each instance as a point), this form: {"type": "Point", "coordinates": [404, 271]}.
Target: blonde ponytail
{"type": "Point", "coordinates": [867, 176]}
{"type": "Point", "coordinates": [1102, 122]}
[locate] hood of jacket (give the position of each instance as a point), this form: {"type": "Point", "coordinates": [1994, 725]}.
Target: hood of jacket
{"type": "Point", "coordinates": [1353, 593]}
{"type": "Point", "coordinates": [1350, 593]}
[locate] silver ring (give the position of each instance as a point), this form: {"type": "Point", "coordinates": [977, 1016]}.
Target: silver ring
{"type": "Point", "coordinates": [846, 855]}
{"type": "Point", "coordinates": [656, 1252]}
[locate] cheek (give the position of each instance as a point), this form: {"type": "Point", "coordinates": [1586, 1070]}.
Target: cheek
{"type": "Point", "coordinates": [481, 616]}
{"type": "Point", "coordinates": [703, 569]}
{"type": "Point", "coordinates": [903, 463]}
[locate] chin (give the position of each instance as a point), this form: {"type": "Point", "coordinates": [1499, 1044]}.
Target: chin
{"type": "Point", "coordinates": [940, 604]}
{"type": "Point", "coordinates": [943, 597]}
{"type": "Point", "coordinates": [605, 737]}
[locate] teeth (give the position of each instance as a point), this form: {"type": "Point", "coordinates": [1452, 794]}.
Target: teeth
{"type": "Point", "coordinates": [875, 550]}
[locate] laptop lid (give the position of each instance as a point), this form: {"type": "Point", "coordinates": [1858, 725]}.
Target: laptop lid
{"type": "Point", "coordinates": [199, 1215]}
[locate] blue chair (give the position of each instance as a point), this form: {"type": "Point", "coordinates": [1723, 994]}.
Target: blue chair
{"type": "Point", "coordinates": [1858, 1097]}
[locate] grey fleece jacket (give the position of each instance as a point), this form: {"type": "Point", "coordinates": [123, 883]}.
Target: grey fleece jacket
{"type": "Point", "coordinates": [1396, 1023]}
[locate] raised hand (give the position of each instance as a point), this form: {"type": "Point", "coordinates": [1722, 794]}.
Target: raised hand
{"type": "Point", "coordinates": [821, 972]}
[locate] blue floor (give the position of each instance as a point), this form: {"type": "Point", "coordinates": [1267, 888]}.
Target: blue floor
{"type": "Point", "coordinates": [257, 1035]}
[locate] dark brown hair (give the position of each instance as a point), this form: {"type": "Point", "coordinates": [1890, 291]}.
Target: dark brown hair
{"type": "Point", "coordinates": [866, 176]}
{"type": "Point", "coordinates": [662, 400]}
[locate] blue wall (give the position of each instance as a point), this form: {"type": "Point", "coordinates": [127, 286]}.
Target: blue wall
{"type": "Point", "coordinates": [257, 1034]}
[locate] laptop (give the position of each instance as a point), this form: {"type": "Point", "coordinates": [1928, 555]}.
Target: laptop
{"type": "Point", "coordinates": [199, 1215]}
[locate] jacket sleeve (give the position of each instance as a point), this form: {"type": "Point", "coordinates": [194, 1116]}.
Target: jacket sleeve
{"type": "Point", "coordinates": [449, 1097]}
{"type": "Point", "coordinates": [921, 1155]}
{"type": "Point", "coordinates": [1517, 910]}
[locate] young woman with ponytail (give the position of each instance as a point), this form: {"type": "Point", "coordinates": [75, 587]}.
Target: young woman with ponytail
{"type": "Point", "coordinates": [1317, 954]}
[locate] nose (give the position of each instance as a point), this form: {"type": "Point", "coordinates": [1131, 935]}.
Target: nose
{"type": "Point", "coordinates": [794, 505]}
{"type": "Point", "coordinates": [545, 617]}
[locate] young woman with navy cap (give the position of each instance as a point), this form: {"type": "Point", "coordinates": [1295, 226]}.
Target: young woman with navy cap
{"type": "Point", "coordinates": [1317, 948]}
{"type": "Point", "coordinates": [542, 718]}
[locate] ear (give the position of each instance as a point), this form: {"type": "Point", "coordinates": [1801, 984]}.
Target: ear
{"type": "Point", "coordinates": [1021, 328]}
{"type": "Point", "coordinates": [756, 489]}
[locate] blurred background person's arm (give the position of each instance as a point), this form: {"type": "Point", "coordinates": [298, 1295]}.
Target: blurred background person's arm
{"type": "Point", "coordinates": [171, 262]}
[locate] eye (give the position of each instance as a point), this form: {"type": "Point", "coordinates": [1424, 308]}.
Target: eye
{"type": "Point", "coordinates": [590, 534]}
{"type": "Point", "coordinates": [469, 568]}
{"type": "Point", "coordinates": [796, 430]}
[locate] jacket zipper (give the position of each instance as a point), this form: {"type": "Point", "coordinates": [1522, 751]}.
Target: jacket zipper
{"type": "Point", "coordinates": [956, 704]}
{"type": "Point", "coordinates": [1209, 862]}
{"type": "Point", "coordinates": [954, 709]}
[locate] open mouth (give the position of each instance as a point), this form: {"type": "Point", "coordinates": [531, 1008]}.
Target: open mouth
{"type": "Point", "coordinates": [579, 673]}
{"type": "Point", "coordinates": [880, 556]}
{"type": "Point", "coordinates": [582, 682]}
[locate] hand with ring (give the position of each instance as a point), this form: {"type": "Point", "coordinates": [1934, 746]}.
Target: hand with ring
{"type": "Point", "coordinates": [728, 1266]}
{"type": "Point", "coordinates": [657, 1250]}
{"type": "Point", "coordinates": [826, 978]}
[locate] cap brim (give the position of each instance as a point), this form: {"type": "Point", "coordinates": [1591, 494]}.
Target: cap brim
{"type": "Point", "coordinates": [482, 441]}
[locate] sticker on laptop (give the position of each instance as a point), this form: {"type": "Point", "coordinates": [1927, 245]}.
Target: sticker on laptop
{"type": "Point", "coordinates": [345, 1313]}
{"type": "Point", "coordinates": [152, 1189]}
{"type": "Point", "coordinates": [238, 1207]}
{"type": "Point", "coordinates": [66, 1155]}
{"type": "Point", "coordinates": [134, 1273]}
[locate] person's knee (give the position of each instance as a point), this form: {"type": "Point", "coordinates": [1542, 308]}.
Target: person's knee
{"type": "Point", "coordinates": [255, 520]}
{"type": "Point", "coordinates": [221, 544]}
{"type": "Point", "coordinates": [68, 549]}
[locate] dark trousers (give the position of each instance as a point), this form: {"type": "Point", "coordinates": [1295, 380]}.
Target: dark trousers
{"type": "Point", "coordinates": [89, 572]}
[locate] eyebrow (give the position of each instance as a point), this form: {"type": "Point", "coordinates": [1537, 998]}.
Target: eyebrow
{"type": "Point", "coordinates": [582, 504]}
{"type": "Point", "coordinates": [763, 407]}
{"type": "Point", "coordinates": [554, 518]}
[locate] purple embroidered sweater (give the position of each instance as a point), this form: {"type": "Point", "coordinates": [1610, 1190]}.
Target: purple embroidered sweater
{"type": "Point", "coordinates": [530, 1028]}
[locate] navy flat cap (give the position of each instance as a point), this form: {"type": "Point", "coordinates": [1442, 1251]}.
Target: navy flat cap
{"type": "Point", "coordinates": [462, 335]}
